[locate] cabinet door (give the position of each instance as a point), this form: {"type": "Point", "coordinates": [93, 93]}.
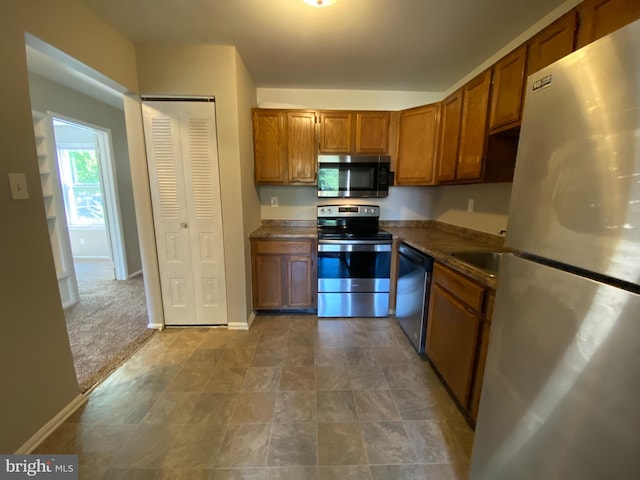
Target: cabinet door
{"type": "Point", "coordinates": [452, 335]}
{"type": "Point", "coordinates": [267, 282]}
{"type": "Point", "coordinates": [449, 137]}
{"type": "Point", "coordinates": [508, 85]}
{"type": "Point", "coordinates": [336, 132]}
{"type": "Point", "coordinates": [552, 43]}
{"type": "Point", "coordinates": [269, 147]}
{"type": "Point", "coordinates": [301, 147]}
{"type": "Point", "coordinates": [372, 132]}
{"type": "Point", "coordinates": [478, 376]}
{"type": "Point", "coordinates": [601, 17]}
{"type": "Point", "coordinates": [301, 282]}
{"type": "Point", "coordinates": [473, 130]}
{"type": "Point", "coordinates": [417, 146]}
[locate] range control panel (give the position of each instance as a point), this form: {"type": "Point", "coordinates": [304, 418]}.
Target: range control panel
{"type": "Point", "coordinates": [348, 211]}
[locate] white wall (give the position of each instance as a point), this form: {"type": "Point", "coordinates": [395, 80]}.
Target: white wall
{"type": "Point", "coordinates": [89, 242]}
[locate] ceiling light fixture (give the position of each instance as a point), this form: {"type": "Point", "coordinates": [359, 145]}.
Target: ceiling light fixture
{"type": "Point", "coordinates": [319, 3]}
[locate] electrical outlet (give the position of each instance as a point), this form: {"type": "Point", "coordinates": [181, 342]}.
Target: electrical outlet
{"type": "Point", "coordinates": [274, 201]}
{"type": "Point", "coordinates": [470, 205]}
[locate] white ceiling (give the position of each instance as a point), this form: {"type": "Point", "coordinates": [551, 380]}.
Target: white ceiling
{"type": "Point", "coordinates": [402, 45]}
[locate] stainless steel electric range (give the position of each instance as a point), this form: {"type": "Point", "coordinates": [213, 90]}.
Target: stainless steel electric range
{"type": "Point", "coordinates": [354, 262]}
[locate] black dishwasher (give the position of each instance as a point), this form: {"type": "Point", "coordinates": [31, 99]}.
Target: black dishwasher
{"type": "Point", "coordinates": [412, 294]}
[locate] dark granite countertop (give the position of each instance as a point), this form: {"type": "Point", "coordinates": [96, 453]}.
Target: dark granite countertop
{"type": "Point", "coordinates": [430, 237]}
{"type": "Point", "coordinates": [439, 239]}
{"type": "Point", "coordinates": [286, 229]}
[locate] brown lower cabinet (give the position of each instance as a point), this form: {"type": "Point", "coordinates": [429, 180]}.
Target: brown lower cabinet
{"type": "Point", "coordinates": [284, 274]}
{"type": "Point", "coordinates": [482, 357]}
{"type": "Point", "coordinates": [455, 333]}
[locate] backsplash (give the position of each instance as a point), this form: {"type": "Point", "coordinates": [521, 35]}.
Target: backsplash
{"type": "Point", "coordinates": [300, 202]}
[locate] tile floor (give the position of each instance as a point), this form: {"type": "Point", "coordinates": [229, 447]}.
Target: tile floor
{"type": "Point", "coordinates": [295, 397]}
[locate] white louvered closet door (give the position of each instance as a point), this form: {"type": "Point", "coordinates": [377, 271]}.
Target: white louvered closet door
{"type": "Point", "coordinates": [185, 192]}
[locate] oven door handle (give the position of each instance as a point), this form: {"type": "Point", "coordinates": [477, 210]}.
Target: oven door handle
{"type": "Point", "coordinates": [353, 246]}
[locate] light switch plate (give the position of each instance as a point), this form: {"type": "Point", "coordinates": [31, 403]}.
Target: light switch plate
{"type": "Point", "coordinates": [18, 185]}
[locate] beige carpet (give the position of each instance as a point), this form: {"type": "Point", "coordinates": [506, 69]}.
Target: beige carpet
{"type": "Point", "coordinates": [108, 324]}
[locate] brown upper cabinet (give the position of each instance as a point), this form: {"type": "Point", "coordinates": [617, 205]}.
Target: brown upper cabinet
{"type": "Point", "coordinates": [372, 132]}
{"type": "Point", "coordinates": [450, 118]}
{"type": "Point", "coordinates": [336, 132]}
{"type": "Point", "coordinates": [552, 43]}
{"type": "Point", "coordinates": [601, 17]}
{"type": "Point", "coordinates": [473, 128]}
{"type": "Point", "coordinates": [301, 146]}
{"type": "Point", "coordinates": [508, 86]}
{"type": "Point", "coordinates": [417, 145]}
{"type": "Point", "coordinates": [269, 146]}
{"type": "Point", "coordinates": [347, 132]}
{"type": "Point", "coordinates": [284, 146]}
{"type": "Point", "coordinates": [463, 136]}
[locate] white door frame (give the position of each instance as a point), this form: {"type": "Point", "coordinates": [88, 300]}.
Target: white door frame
{"type": "Point", "coordinates": [113, 220]}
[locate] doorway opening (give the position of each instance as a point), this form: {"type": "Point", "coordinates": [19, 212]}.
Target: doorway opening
{"type": "Point", "coordinates": [86, 178]}
{"type": "Point", "coordinates": [109, 316]}
{"type": "Point", "coordinates": [86, 181]}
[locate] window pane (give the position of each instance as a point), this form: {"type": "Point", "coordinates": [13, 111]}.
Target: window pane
{"type": "Point", "coordinates": [80, 175]}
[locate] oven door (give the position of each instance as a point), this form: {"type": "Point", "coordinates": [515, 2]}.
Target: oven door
{"type": "Point", "coordinates": [353, 179]}
{"type": "Point", "coordinates": [353, 278]}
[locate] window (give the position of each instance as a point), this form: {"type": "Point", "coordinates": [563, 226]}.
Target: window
{"type": "Point", "coordinates": [80, 178]}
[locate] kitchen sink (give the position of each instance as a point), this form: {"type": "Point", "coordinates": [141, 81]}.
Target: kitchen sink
{"type": "Point", "coordinates": [489, 261]}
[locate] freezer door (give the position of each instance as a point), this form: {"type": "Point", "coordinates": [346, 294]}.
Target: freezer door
{"type": "Point", "coordinates": [576, 189]}
{"type": "Point", "coordinates": [562, 379]}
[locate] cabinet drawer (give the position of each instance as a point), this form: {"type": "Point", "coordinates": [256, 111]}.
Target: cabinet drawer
{"type": "Point", "coordinates": [466, 290]}
{"type": "Point", "coordinates": [280, 247]}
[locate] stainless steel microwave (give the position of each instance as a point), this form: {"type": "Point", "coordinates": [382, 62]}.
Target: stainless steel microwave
{"type": "Point", "coordinates": [354, 176]}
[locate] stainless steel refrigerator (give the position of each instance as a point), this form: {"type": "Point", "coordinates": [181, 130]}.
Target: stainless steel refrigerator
{"type": "Point", "coordinates": [561, 392]}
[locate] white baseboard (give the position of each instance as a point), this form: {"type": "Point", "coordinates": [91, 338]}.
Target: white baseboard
{"type": "Point", "coordinates": [238, 326]}
{"type": "Point", "coordinates": [155, 326]}
{"type": "Point", "coordinates": [48, 428]}
{"type": "Point", "coordinates": [134, 274]}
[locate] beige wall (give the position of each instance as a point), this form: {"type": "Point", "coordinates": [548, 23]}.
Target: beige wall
{"type": "Point", "coordinates": [516, 42]}
{"type": "Point", "coordinates": [490, 206]}
{"type": "Point", "coordinates": [250, 201]}
{"type": "Point", "coordinates": [214, 70]}
{"type": "Point", "coordinates": [299, 202]}
{"type": "Point", "coordinates": [344, 99]}
{"type": "Point", "coordinates": [37, 375]}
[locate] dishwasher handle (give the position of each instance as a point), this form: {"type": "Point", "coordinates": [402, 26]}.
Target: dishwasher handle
{"type": "Point", "coordinates": [416, 257]}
